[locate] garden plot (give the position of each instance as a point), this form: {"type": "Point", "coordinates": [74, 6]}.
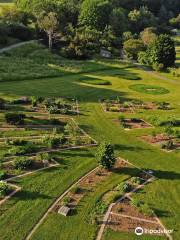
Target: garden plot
{"type": "Point", "coordinates": [22, 166]}
{"type": "Point", "coordinates": [42, 105]}
{"type": "Point", "coordinates": [164, 141]}
{"type": "Point", "coordinates": [7, 190]}
{"type": "Point", "coordinates": [85, 186]}
{"type": "Point", "coordinates": [124, 217]}
{"type": "Point", "coordinates": [131, 106]}
{"type": "Point", "coordinates": [67, 137]}
{"type": "Point", "coordinates": [133, 123]}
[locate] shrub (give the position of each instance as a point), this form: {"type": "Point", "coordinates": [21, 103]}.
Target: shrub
{"type": "Point", "coordinates": [44, 157]}
{"type": "Point", "coordinates": [169, 145]}
{"type": "Point", "coordinates": [3, 188]}
{"type": "Point", "coordinates": [132, 47]}
{"type": "Point", "coordinates": [105, 155]}
{"type": "Point", "coordinates": [2, 174]}
{"type": "Point", "coordinates": [16, 142]}
{"type": "Point", "coordinates": [20, 31]}
{"type": "Point", "coordinates": [159, 67]}
{"type": "Point", "coordinates": [76, 190]}
{"type": "Point", "coordinates": [22, 163]}
{"type": "Point", "coordinates": [52, 141]}
{"type": "Point", "coordinates": [21, 150]}
{"type": "Point", "coordinates": [2, 103]}
{"type": "Point", "coordinates": [15, 118]}
{"type": "Point", "coordinates": [66, 200]}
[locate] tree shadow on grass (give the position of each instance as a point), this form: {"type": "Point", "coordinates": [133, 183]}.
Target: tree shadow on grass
{"type": "Point", "coordinates": [28, 195]}
{"type": "Point", "coordinates": [120, 147]}
{"type": "Point", "coordinates": [162, 213]}
{"type": "Point", "coordinates": [168, 175]}
{"type": "Point", "coordinates": [75, 153]}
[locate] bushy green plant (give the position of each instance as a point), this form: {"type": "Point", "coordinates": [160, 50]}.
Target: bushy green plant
{"type": "Point", "coordinates": [2, 174]}
{"type": "Point", "coordinates": [66, 200]}
{"type": "Point", "coordinates": [169, 145]}
{"type": "Point", "coordinates": [3, 188]}
{"type": "Point", "coordinates": [105, 155]}
{"type": "Point", "coordinates": [2, 103]}
{"type": "Point", "coordinates": [76, 190]}
{"type": "Point", "coordinates": [22, 163]}
{"type": "Point", "coordinates": [15, 118]}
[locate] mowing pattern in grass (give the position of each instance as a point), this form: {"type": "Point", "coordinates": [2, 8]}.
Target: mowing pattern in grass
{"type": "Point", "coordinates": [20, 214]}
{"type": "Point", "coordinates": [149, 89]}
{"type": "Point", "coordinates": [94, 81]}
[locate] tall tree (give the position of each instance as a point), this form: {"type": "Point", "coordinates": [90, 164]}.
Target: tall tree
{"type": "Point", "coordinates": [95, 13]}
{"type": "Point", "coordinates": [49, 24]}
{"type": "Point", "coordinates": [162, 51]}
{"type": "Point", "coordinates": [105, 155]}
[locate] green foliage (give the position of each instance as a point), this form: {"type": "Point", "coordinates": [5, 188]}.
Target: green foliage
{"type": "Point", "coordinates": [105, 155]}
{"type": "Point", "coordinates": [132, 47]}
{"type": "Point", "coordinates": [15, 118]}
{"type": "Point", "coordinates": [3, 188]}
{"type": "Point", "coordinates": [118, 21]}
{"type": "Point", "coordinates": [22, 163]}
{"type": "Point", "coordinates": [21, 150]}
{"type": "Point", "coordinates": [141, 18]}
{"type": "Point", "coordinates": [169, 145]}
{"type": "Point", "coordinates": [2, 103]}
{"type": "Point", "coordinates": [76, 190]}
{"type": "Point", "coordinates": [162, 51]}
{"type": "Point", "coordinates": [95, 13]}
{"type": "Point", "coordinates": [2, 174]}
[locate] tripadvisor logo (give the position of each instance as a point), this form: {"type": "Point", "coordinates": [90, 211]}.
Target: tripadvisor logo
{"type": "Point", "coordinates": [139, 231]}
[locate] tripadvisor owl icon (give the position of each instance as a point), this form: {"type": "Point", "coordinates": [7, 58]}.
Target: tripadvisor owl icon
{"type": "Point", "coordinates": [139, 231]}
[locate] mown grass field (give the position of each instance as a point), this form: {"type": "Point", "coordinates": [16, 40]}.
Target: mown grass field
{"type": "Point", "coordinates": [25, 72]}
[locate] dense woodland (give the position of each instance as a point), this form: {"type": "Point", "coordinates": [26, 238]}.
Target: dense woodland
{"type": "Point", "coordinates": [80, 28]}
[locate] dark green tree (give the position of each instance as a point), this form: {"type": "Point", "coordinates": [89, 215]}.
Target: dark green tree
{"type": "Point", "coordinates": [132, 47]}
{"type": "Point", "coordinates": [105, 155]}
{"type": "Point", "coordinates": [95, 13]}
{"type": "Point", "coordinates": [118, 21]}
{"type": "Point", "coordinates": [162, 51]}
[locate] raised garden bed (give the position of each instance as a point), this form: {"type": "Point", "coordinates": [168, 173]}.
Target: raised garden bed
{"type": "Point", "coordinates": [12, 170]}
{"type": "Point", "coordinates": [58, 105]}
{"type": "Point", "coordinates": [86, 185]}
{"type": "Point", "coordinates": [165, 142]}
{"type": "Point", "coordinates": [134, 123]}
{"type": "Point", "coordinates": [11, 189]}
{"type": "Point", "coordinates": [131, 106]}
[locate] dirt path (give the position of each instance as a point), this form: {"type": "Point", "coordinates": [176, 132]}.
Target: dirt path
{"type": "Point", "coordinates": [135, 218]}
{"type": "Point", "coordinates": [15, 46]}
{"type": "Point", "coordinates": [32, 231]}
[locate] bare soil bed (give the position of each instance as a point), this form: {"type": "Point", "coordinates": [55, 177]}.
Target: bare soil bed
{"type": "Point", "coordinates": [87, 185]}
{"type": "Point", "coordinates": [162, 141]}
{"type": "Point", "coordinates": [127, 224]}
{"type": "Point", "coordinates": [134, 123]}
{"type": "Point", "coordinates": [116, 105]}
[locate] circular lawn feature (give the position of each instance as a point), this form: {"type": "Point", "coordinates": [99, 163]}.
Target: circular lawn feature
{"type": "Point", "coordinates": [149, 89]}
{"type": "Point", "coordinates": [94, 81]}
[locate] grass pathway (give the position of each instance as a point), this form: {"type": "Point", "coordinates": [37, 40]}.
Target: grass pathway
{"type": "Point", "coordinates": [5, 49]}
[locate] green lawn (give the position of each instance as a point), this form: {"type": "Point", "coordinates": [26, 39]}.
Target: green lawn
{"type": "Point", "coordinates": [20, 213]}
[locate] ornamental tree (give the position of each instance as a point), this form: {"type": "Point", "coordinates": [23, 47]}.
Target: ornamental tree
{"type": "Point", "coordinates": [162, 51]}
{"type": "Point", "coordinates": [105, 155]}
